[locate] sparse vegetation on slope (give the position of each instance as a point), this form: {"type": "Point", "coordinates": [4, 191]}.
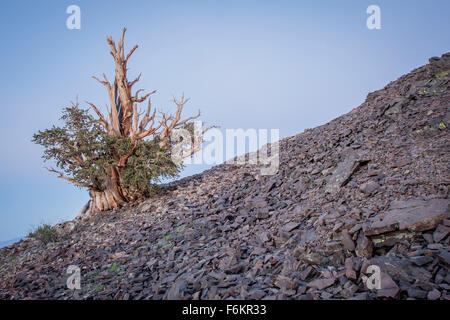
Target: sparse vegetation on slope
{"type": "Point", "coordinates": [370, 188]}
{"type": "Point", "coordinates": [44, 233]}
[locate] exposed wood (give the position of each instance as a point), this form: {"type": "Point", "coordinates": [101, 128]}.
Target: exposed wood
{"type": "Point", "coordinates": [175, 122]}
{"type": "Point", "coordinates": [62, 176]}
{"type": "Point", "coordinates": [124, 119]}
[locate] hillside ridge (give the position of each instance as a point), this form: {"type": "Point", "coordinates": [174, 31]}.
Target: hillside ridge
{"type": "Point", "coordinates": [369, 188]}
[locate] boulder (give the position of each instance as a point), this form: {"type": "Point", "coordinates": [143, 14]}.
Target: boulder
{"type": "Point", "coordinates": [412, 215]}
{"type": "Point", "coordinates": [343, 174]}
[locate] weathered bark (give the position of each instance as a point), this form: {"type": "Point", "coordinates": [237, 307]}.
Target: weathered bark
{"type": "Point", "coordinates": [123, 119]}
{"type": "Point", "coordinates": [106, 200]}
{"type": "Point", "coordinates": [111, 198]}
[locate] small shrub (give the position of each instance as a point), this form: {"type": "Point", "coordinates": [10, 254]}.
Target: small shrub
{"type": "Point", "coordinates": [115, 268]}
{"type": "Point", "coordinates": [44, 233]}
{"type": "Point", "coordinates": [168, 237]}
{"type": "Point", "coordinates": [181, 230]}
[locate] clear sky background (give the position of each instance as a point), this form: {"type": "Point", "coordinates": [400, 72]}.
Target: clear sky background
{"type": "Point", "coordinates": [246, 64]}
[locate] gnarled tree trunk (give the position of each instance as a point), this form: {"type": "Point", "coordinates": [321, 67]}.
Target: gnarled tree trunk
{"type": "Point", "coordinates": [124, 120]}
{"type": "Point", "coordinates": [112, 196]}
{"type": "Point", "coordinates": [107, 199]}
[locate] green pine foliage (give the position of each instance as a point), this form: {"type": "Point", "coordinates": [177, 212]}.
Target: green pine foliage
{"type": "Point", "coordinates": [83, 151]}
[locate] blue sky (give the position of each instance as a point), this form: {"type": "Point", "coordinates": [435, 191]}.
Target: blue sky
{"type": "Point", "coordinates": [246, 64]}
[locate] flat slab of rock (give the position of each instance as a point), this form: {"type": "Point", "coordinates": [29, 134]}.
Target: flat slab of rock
{"type": "Point", "coordinates": [421, 260]}
{"type": "Point", "coordinates": [364, 247]}
{"type": "Point", "coordinates": [176, 292]}
{"type": "Point", "coordinates": [389, 288]}
{"type": "Point", "coordinates": [433, 295]}
{"type": "Point", "coordinates": [369, 187]}
{"type": "Point", "coordinates": [288, 227]}
{"type": "Point", "coordinates": [404, 270]}
{"type": "Point", "coordinates": [321, 283]}
{"type": "Point", "coordinates": [445, 257]}
{"type": "Point", "coordinates": [347, 241]}
{"type": "Point", "coordinates": [441, 233]}
{"type": "Point", "coordinates": [342, 175]}
{"type": "Point", "coordinates": [412, 215]}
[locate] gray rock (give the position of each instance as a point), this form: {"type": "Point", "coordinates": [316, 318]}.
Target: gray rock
{"type": "Point", "coordinates": [176, 292]}
{"type": "Point", "coordinates": [369, 187]}
{"type": "Point", "coordinates": [441, 233]}
{"type": "Point", "coordinates": [445, 257]}
{"type": "Point", "coordinates": [412, 215]}
{"type": "Point", "coordinates": [342, 175]}
{"type": "Point", "coordinates": [417, 293]}
{"type": "Point", "coordinates": [364, 246]}
{"type": "Point", "coordinates": [433, 295]}
{"type": "Point", "coordinates": [288, 227]}
{"type": "Point", "coordinates": [421, 260]}
{"type": "Point", "coordinates": [321, 283]}
{"type": "Point", "coordinates": [389, 288]}
{"type": "Point", "coordinates": [347, 241]}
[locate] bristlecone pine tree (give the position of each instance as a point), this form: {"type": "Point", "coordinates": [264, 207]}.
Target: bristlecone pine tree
{"type": "Point", "coordinates": [119, 157]}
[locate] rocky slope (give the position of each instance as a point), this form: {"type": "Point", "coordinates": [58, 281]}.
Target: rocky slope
{"type": "Point", "coordinates": [369, 188]}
